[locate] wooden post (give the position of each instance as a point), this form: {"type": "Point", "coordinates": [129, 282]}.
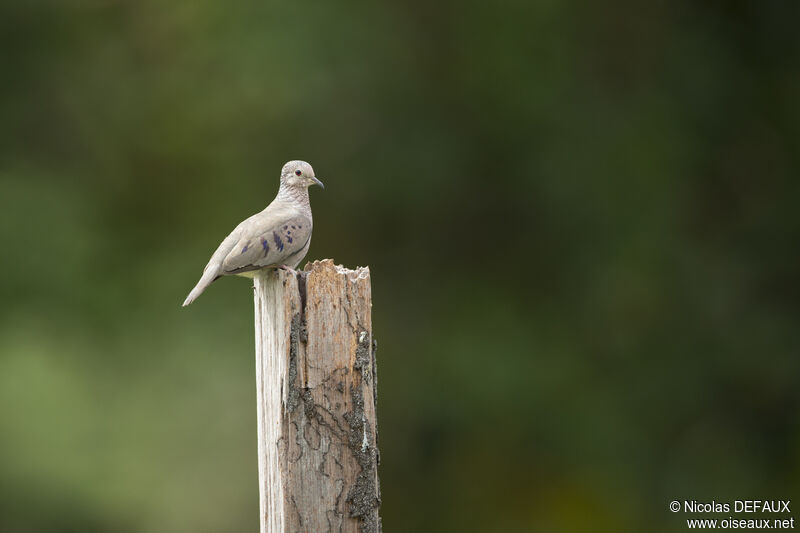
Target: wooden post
{"type": "Point", "coordinates": [316, 380]}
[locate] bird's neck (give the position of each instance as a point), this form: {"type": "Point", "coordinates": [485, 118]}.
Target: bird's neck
{"type": "Point", "coordinates": [297, 196]}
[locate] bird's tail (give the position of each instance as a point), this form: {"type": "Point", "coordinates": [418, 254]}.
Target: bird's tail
{"type": "Point", "coordinates": [206, 279]}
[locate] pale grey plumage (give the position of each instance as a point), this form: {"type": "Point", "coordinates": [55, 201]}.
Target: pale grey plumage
{"type": "Point", "coordinates": [277, 236]}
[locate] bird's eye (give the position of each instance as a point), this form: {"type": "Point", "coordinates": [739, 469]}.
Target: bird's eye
{"type": "Point", "coordinates": [298, 172]}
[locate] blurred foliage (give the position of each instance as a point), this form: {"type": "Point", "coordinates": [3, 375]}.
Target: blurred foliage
{"type": "Point", "coordinates": [581, 221]}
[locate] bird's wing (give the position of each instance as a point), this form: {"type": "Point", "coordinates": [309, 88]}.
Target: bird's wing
{"type": "Point", "coordinates": [267, 239]}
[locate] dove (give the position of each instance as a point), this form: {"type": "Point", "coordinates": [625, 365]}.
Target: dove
{"type": "Point", "coordinates": [278, 236]}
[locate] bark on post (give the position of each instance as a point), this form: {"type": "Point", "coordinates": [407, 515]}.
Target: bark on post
{"type": "Point", "coordinates": [316, 382]}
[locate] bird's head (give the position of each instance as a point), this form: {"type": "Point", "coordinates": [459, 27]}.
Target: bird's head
{"type": "Point", "coordinates": [299, 174]}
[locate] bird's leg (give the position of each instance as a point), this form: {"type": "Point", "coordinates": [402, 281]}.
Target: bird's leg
{"type": "Point", "coordinates": [287, 268]}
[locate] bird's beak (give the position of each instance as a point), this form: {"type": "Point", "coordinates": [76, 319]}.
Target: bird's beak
{"type": "Point", "coordinates": [318, 182]}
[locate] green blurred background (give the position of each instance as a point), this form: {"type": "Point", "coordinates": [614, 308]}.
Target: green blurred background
{"type": "Point", "coordinates": [581, 221]}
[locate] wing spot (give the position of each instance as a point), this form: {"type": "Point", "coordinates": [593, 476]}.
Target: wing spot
{"type": "Point", "coordinates": [265, 246]}
{"type": "Point", "coordinates": [246, 246]}
{"type": "Point", "coordinates": [289, 238]}
{"type": "Point", "coordinates": [278, 241]}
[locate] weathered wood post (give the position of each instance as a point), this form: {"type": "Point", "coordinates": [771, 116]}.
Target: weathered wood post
{"type": "Point", "coordinates": [316, 380]}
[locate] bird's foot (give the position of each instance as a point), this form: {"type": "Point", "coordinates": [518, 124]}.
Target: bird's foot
{"type": "Point", "coordinates": [288, 269]}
